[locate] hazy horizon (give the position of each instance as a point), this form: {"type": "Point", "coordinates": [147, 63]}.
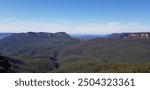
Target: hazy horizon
{"type": "Point", "coordinates": [75, 16]}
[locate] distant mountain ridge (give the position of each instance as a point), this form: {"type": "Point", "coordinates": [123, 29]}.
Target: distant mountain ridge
{"type": "Point", "coordinates": [3, 35]}
{"type": "Point", "coordinates": [35, 43]}
{"type": "Point", "coordinates": [88, 37]}
{"type": "Point", "coordinates": [58, 34]}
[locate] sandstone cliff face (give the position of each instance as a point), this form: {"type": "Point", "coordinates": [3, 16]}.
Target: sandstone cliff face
{"type": "Point", "coordinates": [137, 35]}
{"type": "Point", "coordinates": [142, 35]}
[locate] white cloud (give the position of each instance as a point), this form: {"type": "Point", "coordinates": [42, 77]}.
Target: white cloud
{"type": "Point", "coordinates": [113, 23]}
{"type": "Point", "coordinates": [111, 27]}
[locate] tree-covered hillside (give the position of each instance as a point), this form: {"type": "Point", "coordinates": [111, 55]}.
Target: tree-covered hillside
{"type": "Point", "coordinates": [59, 52]}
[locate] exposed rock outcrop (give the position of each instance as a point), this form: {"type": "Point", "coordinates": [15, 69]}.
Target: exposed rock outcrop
{"type": "Point", "coordinates": [136, 35]}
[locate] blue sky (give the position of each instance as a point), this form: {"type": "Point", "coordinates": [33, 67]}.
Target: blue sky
{"type": "Point", "coordinates": [75, 16]}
